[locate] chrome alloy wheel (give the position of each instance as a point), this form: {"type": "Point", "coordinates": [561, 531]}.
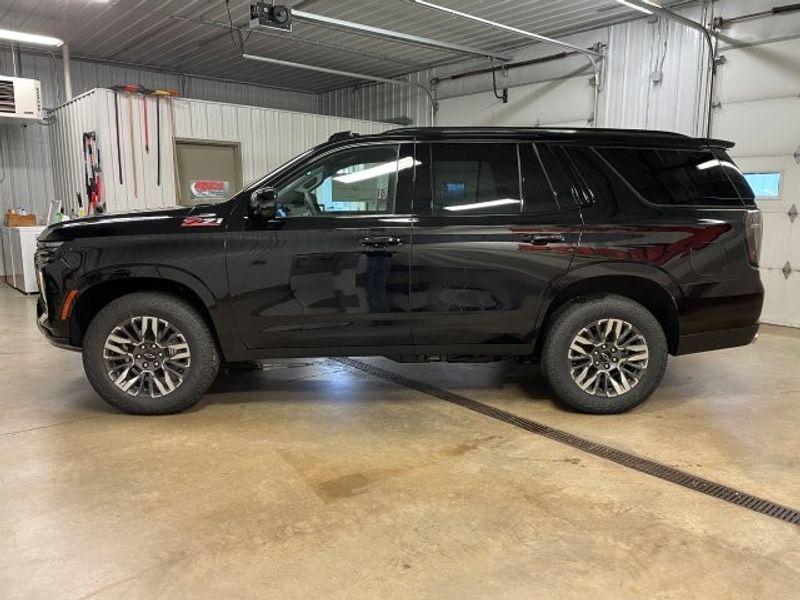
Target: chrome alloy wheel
{"type": "Point", "coordinates": [146, 356]}
{"type": "Point", "coordinates": [608, 358]}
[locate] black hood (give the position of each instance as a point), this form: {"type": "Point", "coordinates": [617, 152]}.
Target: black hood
{"type": "Point", "coordinates": [143, 222]}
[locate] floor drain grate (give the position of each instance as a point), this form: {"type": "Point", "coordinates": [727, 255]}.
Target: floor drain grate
{"type": "Point", "coordinates": [644, 465]}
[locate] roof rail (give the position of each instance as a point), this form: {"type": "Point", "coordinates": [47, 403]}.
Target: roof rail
{"type": "Point", "coordinates": [342, 135]}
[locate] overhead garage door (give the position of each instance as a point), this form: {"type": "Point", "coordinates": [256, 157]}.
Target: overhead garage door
{"type": "Point", "coordinates": [759, 92]}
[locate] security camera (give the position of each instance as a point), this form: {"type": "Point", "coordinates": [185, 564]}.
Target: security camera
{"type": "Point", "coordinates": [266, 14]}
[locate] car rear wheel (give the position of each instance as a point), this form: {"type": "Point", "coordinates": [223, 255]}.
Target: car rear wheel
{"type": "Point", "coordinates": [150, 353]}
{"type": "Point", "coordinates": [604, 354]}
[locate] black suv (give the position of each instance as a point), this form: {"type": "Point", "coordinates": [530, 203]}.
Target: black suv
{"type": "Point", "coordinates": [595, 253]}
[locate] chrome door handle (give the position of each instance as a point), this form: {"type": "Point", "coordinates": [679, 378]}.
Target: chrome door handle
{"type": "Point", "coordinates": [380, 241]}
{"type": "Point", "coordinates": [543, 239]}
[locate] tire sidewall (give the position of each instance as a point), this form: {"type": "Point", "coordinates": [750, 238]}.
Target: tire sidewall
{"type": "Point", "coordinates": [204, 355]}
{"type": "Point", "coordinates": [569, 321]}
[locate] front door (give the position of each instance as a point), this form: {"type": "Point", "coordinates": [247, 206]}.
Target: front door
{"type": "Point", "coordinates": [491, 234]}
{"type": "Point", "coordinates": [331, 271]}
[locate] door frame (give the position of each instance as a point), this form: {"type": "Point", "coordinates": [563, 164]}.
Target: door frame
{"type": "Point", "coordinates": [233, 144]}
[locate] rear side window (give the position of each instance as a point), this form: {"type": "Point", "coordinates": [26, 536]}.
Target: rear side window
{"type": "Point", "coordinates": [558, 177]}
{"type": "Point", "coordinates": [676, 177]}
{"type": "Point", "coordinates": [471, 179]}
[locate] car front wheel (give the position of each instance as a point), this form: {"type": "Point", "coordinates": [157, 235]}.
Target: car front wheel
{"type": "Point", "coordinates": [150, 353]}
{"type": "Point", "coordinates": [604, 354]}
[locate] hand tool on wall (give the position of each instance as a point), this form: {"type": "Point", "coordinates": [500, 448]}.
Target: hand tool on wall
{"type": "Point", "coordinates": [133, 150]}
{"type": "Point", "coordinates": [158, 141]}
{"type": "Point", "coordinates": [146, 125]}
{"type": "Point", "coordinates": [116, 126]}
{"type": "Point", "coordinates": [92, 175]}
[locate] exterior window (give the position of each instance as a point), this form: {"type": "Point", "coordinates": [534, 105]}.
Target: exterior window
{"type": "Point", "coordinates": [471, 179]}
{"type": "Point", "coordinates": [538, 186]}
{"type": "Point", "coordinates": [558, 177]}
{"type": "Point", "coordinates": [765, 186]}
{"type": "Point", "coordinates": [595, 182]}
{"type": "Point", "coordinates": [677, 177]}
{"type": "Point", "coordinates": [349, 182]}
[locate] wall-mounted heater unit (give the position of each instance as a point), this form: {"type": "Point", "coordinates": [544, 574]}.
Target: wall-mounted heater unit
{"type": "Point", "coordinates": [20, 99]}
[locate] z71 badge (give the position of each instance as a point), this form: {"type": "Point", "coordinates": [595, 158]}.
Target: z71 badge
{"type": "Point", "coordinates": [202, 221]}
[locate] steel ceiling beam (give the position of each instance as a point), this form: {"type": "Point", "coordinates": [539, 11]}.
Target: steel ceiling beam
{"type": "Point", "coordinates": [397, 36]}
{"type": "Point", "coordinates": [542, 38]}
{"type": "Point", "coordinates": [647, 7]}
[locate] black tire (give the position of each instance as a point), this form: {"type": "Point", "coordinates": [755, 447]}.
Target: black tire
{"type": "Point", "coordinates": [569, 321]}
{"type": "Point", "coordinates": [203, 364]}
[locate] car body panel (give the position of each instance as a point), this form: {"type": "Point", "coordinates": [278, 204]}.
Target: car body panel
{"type": "Point", "coordinates": [452, 286]}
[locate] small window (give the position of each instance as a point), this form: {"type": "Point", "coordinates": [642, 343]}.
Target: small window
{"type": "Point", "coordinates": [555, 165]}
{"type": "Point", "coordinates": [349, 182]}
{"type": "Point", "coordinates": [538, 187]}
{"type": "Point", "coordinates": [676, 177]}
{"type": "Point", "coordinates": [765, 186]}
{"type": "Point", "coordinates": [471, 179]}
{"type": "Point", "coordinates": [595, 182]}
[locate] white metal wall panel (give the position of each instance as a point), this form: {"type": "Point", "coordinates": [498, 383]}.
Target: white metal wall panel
{"type": "Point", "coordinates": [539, 104]}
{"type": "Point", "coordinates": [676, 101]}
{"type": "Point", "coordinates": [267, 139]}
{"type": "Point", "coordinates": [630, 98]}
{"type": "Point", "coordinates": [381, 102]}
{"type": "Point", "coordinates": [27, 175]}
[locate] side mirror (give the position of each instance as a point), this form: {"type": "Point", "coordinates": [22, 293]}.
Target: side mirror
{"type": "Point", "coordinates": [264, 203]}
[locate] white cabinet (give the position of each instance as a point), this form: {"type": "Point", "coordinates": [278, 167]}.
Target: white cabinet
{"type": "Point", "coordinates": [19, 247]}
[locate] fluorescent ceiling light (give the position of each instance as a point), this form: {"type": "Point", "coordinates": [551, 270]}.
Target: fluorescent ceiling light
{"type": "Point", "coordinates": [636, 6]}
{"type": "Point", "coordinates": [479, 205]}
{"type": "Point", "coordinates": [29, 38]}
{"type": "Point", "coordinates": [380, 170]}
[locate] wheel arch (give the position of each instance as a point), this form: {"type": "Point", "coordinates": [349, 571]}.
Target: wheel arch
{"type": "Point", "coordinates": [654, 295]}
{"type": "Point", "coordinates": [93, 297]}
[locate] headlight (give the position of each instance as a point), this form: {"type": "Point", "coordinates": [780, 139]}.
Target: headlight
{"type": "Point", "coordinates": [45, 252]}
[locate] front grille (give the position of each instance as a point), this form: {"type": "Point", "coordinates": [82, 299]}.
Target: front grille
{"type": "Point", "coordinates": [7, 104]}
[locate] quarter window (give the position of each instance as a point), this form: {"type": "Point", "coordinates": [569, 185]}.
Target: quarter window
{"type": "Point", "coordinates": [348, 182]}
{"type": "Point", "coordinates": [676, 177]}
{"type": "Point", "coordinates": [473, 179]}
{"type": "Point", "coordinates": [539, 186]}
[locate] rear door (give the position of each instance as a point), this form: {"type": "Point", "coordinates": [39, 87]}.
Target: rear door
{"type": "Point", "coordinates": [490, 235]}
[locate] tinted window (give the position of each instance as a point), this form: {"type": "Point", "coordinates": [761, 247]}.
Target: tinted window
{"type": "Point", "coordinates": [676, 177]}
{"type": "Point", "coordinates": [604, 195]}
{"type": "Point", "coordinates": [540, 197]}
{"type": "Point", "coordinates": [557, 170]}
{"type": "Point", "coordinates": [473, 179]}
{"type": "Point", "coordinates": [351, 181]}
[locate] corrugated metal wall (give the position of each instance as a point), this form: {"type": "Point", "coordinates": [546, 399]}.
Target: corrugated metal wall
{"type": "Point", "coordinates": [267, 138]}
{"type": "Point", "coordinates": [381, 102]}
{"type": "Point", "coordinates": [27, 178]}
{"type": "Point", "coordinates": [630, 97]}
{"type": "Point", "coordinates": [657, 76]}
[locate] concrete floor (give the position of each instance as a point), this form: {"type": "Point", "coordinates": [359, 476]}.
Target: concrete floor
{"type": "Point", "coordinates": [311, 480]}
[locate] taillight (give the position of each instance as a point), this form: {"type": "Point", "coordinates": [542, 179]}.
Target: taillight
{"type": "Point", "coordinates": [754, 233]}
